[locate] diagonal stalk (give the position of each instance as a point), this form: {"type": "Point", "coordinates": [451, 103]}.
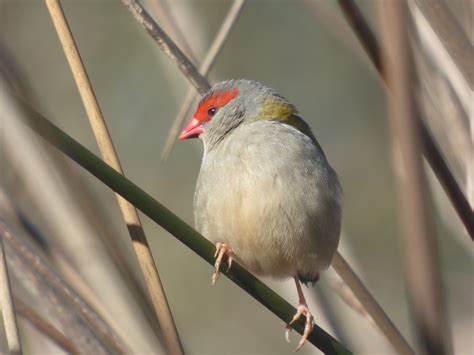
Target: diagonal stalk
{"type": "Point", "coordinates": [167, 45]}
{"type": "Point", "coordinates": [44, 326]}
{"type": "Point", "coordinates": [207, 64]}
{"type": "Point", "coordinates": [109, 154]}
{"type": "Point", "coordinates": [430, 149]}
{"type": "Point", "coordinates": [170, 222]}
{"type": "Point", "coordinates": [420, 249]}
{"type": "Point", "coordinates": [7, 307]}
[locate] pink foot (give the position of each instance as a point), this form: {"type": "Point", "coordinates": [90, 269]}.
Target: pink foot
{"type": "Point", "coordinates": [308, 327]}
{"type": "Point", "coordinates": [221, 250]}
{"type": "Point", "coordinates": [301, 310]}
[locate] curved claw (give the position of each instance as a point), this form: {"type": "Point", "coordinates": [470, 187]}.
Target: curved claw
{"type": "Point", "coordinates": [229, 261]}
{"type": "Point", "coordinates": [287, 333]}
{"type": "Point", "coordinates": [218, 247]}
{"type": "Point", "coordinates": [215, 277]}
{"type": "Point", "coordinates": [308, 327]}
{"type": "Point", "coordinates": [299, 312]}
{"type": "Point", "coordinates": [221, 250]}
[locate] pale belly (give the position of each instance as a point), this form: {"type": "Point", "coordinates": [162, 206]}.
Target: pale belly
{"type": "Point", "coordinates": [272, 233]}
{"type": "Point", "coordinates": [279, 213]}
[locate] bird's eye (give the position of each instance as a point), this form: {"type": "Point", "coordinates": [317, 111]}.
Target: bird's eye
{"type": "Point", "coordinates": [212, 111]}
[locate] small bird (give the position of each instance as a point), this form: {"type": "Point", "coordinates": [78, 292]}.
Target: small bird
{"type": "Point", "coordinates": [266, 194]}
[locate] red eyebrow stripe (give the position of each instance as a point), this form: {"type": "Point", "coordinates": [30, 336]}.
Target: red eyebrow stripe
{"type": "Point", "coordinates": [217, 99]}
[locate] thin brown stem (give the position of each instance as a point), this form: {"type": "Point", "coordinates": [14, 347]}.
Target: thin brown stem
{"type": "Point", "coordinates": [6, 306]}
{"type": "Point", "coordinates": [446, 179]}
{"type": "Point", "coordinates": [167, 45]}
{"type": "Point", "coordinates": [370, 305]}
{"type": "Point", "coordinates": [44, 275]}
{"type": "Point", "coordinates": [361, 28]}
{"type": "Point", "coordinates": [162, 11]}
{"type": "Point", "coordinates": [108, 152]}
{"type": "Point", "coordinates": [429, 147]}
{"type": "Point", "coordinates": [417, 234]}
{"type": "Point", "coordinates": [209, 60]}
{"type": "Point", "coordinates": [452, 37]}
{"type": "Point", "coordinates": [43, 326]}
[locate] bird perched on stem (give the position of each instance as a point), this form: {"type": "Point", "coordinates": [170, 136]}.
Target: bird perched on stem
{"type": "Point", "coordinates": [266, 194]}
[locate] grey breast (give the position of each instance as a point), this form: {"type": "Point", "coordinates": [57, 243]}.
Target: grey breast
{"type": "Point", "coordinates": [268, 186]}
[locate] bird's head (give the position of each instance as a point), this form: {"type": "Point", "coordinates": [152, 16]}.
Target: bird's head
{"type": "Point", "coordinates": [231, 103]}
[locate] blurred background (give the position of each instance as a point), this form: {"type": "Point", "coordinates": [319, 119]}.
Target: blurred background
{"type": "Point", "coordinates": [303, 49]}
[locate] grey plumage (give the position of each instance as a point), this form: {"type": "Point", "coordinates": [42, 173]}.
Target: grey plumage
{"type": "Point", "coordinates": [265, 187]}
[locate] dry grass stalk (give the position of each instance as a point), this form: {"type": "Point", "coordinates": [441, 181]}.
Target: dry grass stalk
{"type": "Point", "coordinates": [162, 11]}
{"type": "Point", "coordinates": [107, 150]}
{"type": "Point", "coordinates": [81, 324]}
{"type": "Point", "coordinates": [44, 326]}
{"type": "Point", "coordinates": [448, 45]}
{"type": "Point", "coordinates": [167, 45]}
{"type": "Point", "coordinates": [362, 30]}
{"type": "Point", "coordinates": [370, 305]}
{"type": "Point", "coordinates": [208, 62]}
{"type": "Point", "coordinates": [430, 149]}
{"type": "Point", "coordinates": [66, 223]}
{"type": "Point", "coordinates": [7, 307]}
{"type": "Point", "coordinates": [419, 243]}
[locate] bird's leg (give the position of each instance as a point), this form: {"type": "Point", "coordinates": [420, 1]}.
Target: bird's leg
{"type": "Point", "coordinates": [301, 310]}
{"type": "Point", "coordinates": [221, 250]}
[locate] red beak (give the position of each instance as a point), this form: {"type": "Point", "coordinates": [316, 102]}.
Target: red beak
{"type": "Point", "coordinates": [192, 130]}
